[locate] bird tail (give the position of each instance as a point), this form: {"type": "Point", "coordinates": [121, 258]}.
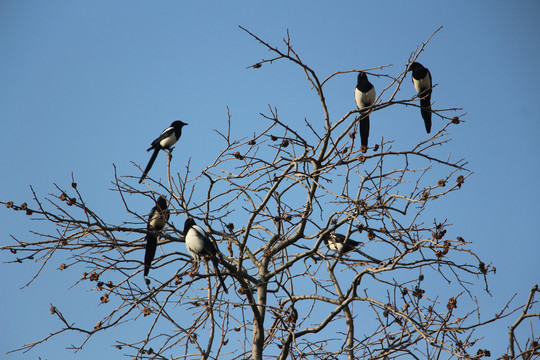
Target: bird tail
{"type": "Point", "coordinates": [220, 277]}
{"type": "Point", "coordinates": [425, 109]}
{"type": "Point", "coordinates": [150, 163]}
{"type": "Point", "coordinates": [364, 130]}
{"type": "Point", "coordinates": [354, 242]}
{"type": "Point", "coordinates": [151, 244]}
{"type": "Point", "coordinates": [349, 245]}
{"type": "Point", "coordinates": [377, 261]}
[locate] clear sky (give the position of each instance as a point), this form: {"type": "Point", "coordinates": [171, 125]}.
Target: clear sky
{"type": "Point", "coordinates": [88, 84]}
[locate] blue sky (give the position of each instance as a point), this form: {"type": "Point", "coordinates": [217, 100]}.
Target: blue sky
{"type": "Point", "coordinates": [85, 85]}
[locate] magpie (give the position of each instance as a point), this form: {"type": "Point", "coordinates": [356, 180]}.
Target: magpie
{"type": "Point", "coordinates": [159, 215]}
{"type": "Point", "coordinates": [165, 141]}
{"type": "Point", "coordinates": [336, 243]}
{"type": "Point", "coordinates": [421, 78]}
{"type": "Point", "coordinates": [198, 244]}
{"type": "Point", "coordinates": [364, 94]}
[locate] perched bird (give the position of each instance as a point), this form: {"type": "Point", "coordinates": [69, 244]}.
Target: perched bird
{"type": "Point", "coordinates": [198, 244]}
{"type": "Point", "coordinates": [421, 78]}
{"type": "Point", "coordinates": [364, 94]}
{"type": "Point", "coordinates": [159, 215]}
{"type": "Point", "coordinates": [166, 140]}
{"type": "Point", "coordinates": [336, 242]}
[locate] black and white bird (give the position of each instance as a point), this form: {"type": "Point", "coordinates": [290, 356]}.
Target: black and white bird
{"type": "Point", "coordinates": [340, 244]}
{"type": "Point", "coordinates": [198, 244]}
{"type": "Point", "coordinates": [421, 78]}
{"type": "Point", "coordinates": [364, 94]}
{"type": "Point", "coordinates": [159, 215]}
{"type": "Point", "coordinates": [165, 141]}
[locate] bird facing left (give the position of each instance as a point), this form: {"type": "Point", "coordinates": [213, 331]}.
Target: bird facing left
{"type": "Point", "coordinates": [198, 244]}
{"type": "Point", "coordinates": [159, 215]}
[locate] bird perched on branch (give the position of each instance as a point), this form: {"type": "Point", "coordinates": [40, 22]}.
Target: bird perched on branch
{"type": "Point", "coordinates": [198, 244]}
{"type": "Point", "coordinates": [421, 78]}
{"type": "Point", "coordinates": [364, 94]}
{"type": "Point", "coordinates": [159, 215]}
{"type": "Point", "coordinates": [165, 141]}
{"type": "Point", "coordinates": [341, 245]}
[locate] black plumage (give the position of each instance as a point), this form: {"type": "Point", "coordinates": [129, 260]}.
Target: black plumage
{"type": "Point", "coordinates": [340, 244]}
{"type": "Point", "coordinates": [364, 95]}
{"type": "Point", "coordinates": [198, 244]}
{"type": "Point", "coordinates": [165, 141]}
{"type": "Point", "coordinates": [159, 215]}
{"type": "Point", "coordinates": [421, 78]}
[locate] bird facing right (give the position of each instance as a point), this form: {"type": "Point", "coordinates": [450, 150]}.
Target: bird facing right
{"type": "Point", "coordinates": [166, 140]}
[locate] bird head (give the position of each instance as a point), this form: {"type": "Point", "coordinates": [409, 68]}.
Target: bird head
{"type": "Point", "coordinates": [188, 224]}
{"type": "Point", "coordinates": [161, 202]}
{"type": "Point", "coordinates": [325, 239]}
{"type": "Point", "coordinates": [178, 123]}
{"type": "Point", "coordinates": [415, 66]}
{"type": "Point", "coordinates": [361, 77]}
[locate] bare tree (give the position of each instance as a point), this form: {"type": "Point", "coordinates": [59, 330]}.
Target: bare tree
{"type": "Point", "coordinates": [277, 204]}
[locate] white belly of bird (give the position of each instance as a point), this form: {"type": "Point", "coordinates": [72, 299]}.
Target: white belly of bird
{"type": "Point", "coordinates": [168, 141]}
{"type": "Point", "coordinates": [421, 84]}
{"type": "Point", "coordinates": [194, 242]}
{"type": "Point", "coordinates": [157, 222]}
{"type": "Point", "coordinates": [337, 247]}
{"type": "Point", "coordinates": [364, 99]}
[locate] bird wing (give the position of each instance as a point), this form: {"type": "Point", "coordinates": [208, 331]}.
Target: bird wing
{"type": "Point", "coordinates": [158, 218]}
{"type": "Point", "coordinates": [208, 245]}
{"type": "Point", "coordinates": [370, 96]}
{"type": "Point", "coordinates": [200, 232]}
{"type": "Point", "coordinates": [199, 242]}
{"type": "Point", "coordinates": [165, 140]}
{"type": "Point", "coordinates": [151, 217]}
{"type": "Point", "coordinates": [358, 98]}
